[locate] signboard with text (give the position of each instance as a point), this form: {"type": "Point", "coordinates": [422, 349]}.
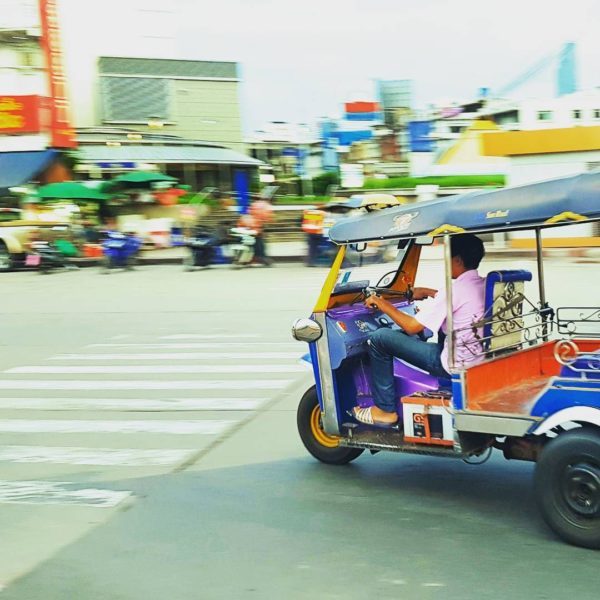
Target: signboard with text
{"type": "Point", "coordinates": [62, 134]}
{"type": "Point", "coordinates": [24, 114]}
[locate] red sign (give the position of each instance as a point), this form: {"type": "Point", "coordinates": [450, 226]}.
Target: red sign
{"type": "Point", "coordinates": [62, 133]}
{"type": "Point", "coordinates": [24, 114]}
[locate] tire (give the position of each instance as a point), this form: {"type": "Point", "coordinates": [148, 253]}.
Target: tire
{"type": "Point", "coordinates": [105, 265]}
{"type": "Point", "coordinates": [322, 446]}
{"type": "Point", "coordinates": [6, 260]}
{"type": "Point", "coordinates": [188, 261]}
{"type": "Point", "coordinates": [567, 486]}
{"type": "Point", "coordinates": [131, 262]}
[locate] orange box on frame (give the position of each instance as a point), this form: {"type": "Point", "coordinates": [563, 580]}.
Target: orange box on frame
{"type": "Point", "coordinates": [427, 420]}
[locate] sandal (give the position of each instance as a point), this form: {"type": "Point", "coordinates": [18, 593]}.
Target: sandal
{"type": "Point", "coordinates": [363, 415]}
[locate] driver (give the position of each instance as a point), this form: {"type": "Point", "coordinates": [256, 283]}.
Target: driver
{"type": "Point", "coordinates": [385, 344]}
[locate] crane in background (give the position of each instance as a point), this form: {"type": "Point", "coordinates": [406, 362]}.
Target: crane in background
{"type": "Point", "coordinates": [566, 77]}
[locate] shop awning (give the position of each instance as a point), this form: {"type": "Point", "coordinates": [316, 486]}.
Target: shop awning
{"type": "Point", "coordinates": [167, 154]}
{"type": "Point", "coordinates": [17, 168]}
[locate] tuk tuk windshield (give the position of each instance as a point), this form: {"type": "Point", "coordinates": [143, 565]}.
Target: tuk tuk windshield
{"type": "Point", "coordinates": [373, 264]}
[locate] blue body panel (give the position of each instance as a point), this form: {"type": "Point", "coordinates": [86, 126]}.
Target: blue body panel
{"type": "Point", "coordinates": [565, 393]}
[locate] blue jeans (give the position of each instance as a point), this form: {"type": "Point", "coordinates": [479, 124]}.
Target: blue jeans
{"type": "Point", "coordinates": [384, 345]}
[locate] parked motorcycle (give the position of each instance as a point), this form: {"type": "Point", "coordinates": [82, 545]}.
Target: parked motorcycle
{"type": "Point", "coordinates": [44, 256]}
{"type": "Point", "coordinates": [203, 248]}
{"type": "Point", "coordinates": [239, 247]}
{"type": "Point", "coordinates": [120, 250]}
{"type": "Point", "coordinates": [206, 247]}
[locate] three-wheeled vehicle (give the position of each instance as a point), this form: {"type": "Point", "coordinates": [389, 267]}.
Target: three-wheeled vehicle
{"type": "Point", "coordinates": [533, 391]}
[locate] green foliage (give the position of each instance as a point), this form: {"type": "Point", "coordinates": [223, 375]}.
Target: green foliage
{"type": "Point", "coordinates": [442, 181]}
{"type": "Point", "coordinates": [323, 181]}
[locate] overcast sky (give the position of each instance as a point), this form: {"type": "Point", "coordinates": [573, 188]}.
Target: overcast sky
{"type": "Point", "coordinates": [302, 60]}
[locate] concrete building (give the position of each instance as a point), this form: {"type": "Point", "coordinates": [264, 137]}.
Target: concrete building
{"type": "Point", "coordinates": [106, 151]}
{"type": "Point", "coordinates": [197, 100]}
{"type": "Point", "coordinates": [114, 67]}
{"type": "Point", "coordinates": [293, 151]}
{"type": "Point", "coordinates": [571, 110]}
{"type": "Point", "coordinates": [541, 154]}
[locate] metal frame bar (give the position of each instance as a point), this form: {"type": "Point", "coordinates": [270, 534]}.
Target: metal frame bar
{"type": "Point", "coordinates": [449, 317]}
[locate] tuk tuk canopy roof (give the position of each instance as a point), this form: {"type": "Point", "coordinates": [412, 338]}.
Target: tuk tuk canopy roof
{"type": "Point", "coordinates": [559, 201]}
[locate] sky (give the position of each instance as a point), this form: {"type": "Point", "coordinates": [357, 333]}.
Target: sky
{"type": "Point", "coordinates": [301, 60]}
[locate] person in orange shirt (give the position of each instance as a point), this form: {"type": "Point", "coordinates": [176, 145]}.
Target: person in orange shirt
{"type": "Point", "coordinates": [261, 213]}
{"type": "Point", "coordinates": [312, 226]}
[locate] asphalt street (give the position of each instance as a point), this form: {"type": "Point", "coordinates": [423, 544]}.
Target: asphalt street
{"type": "Point", "coordinates": [148, 450]}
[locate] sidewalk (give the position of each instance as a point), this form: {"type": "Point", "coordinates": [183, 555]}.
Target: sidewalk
{"type": "Point", "coordinates": [296, 252]}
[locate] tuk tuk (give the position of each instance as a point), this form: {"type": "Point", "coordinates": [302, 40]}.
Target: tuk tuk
{"type": "Point", "coordinates": [533, 391]}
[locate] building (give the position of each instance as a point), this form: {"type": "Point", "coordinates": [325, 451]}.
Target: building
{"type": "Point", "coordinates": [117, 66]}
{"type": "Point", "coordinates": [34, 112]}
{"type": "Point", "coordinates": [540, 154]}
{"type": "Point", "coordinates": [197, 100]}
{"type": "Point", "coordinates": [106, 151]}
{"type": "Point", "coordinates": [293, 151]}
{"type": "Point", "coordinates": [577, 109]}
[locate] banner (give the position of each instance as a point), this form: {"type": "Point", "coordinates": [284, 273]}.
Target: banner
{"type": "Point", "coordinates": [24, 114]}
{"type": "Point", "coordinates": [62, 134]}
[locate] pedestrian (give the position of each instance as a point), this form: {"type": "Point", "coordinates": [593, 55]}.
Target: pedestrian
{"type": "Point", "coordinates": [261, 214]}
{"type": "Point", "coordinates": [312, 225]}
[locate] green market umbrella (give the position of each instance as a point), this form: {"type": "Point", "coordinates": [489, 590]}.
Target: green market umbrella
{"type": "Point", "coordinates": [143, 177]}
{"type": "Point", "coordinates": [73, 190]}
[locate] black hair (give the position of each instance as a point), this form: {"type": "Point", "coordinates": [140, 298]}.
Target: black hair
{"type": "Point", "coordinates": [469, 247]}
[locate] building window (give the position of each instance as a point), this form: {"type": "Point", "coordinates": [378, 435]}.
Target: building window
{"type": "Point", "coordinates": [134, 99]}
{"type": "Point", "coordinates": [544, 115]}
{"type": "Point", "coordinates": [597, 113]}
{"type": "Point", "coordinates": [577, 114]}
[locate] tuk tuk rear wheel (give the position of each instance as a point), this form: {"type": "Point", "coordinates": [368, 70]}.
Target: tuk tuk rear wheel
{"type": "Point", "coordinates": [322, 446]}
{"type": "Point", "coordinates": [567, 486]}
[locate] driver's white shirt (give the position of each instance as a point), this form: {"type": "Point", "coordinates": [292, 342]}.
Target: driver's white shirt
{"type": "Point", "coordinates": [468, 305]}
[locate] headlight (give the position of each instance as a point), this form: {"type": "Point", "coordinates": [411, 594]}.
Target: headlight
{"type": "Point", "coordinates": [306, 330]}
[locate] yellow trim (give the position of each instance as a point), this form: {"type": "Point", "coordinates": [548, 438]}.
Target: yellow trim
{"type": "Point", "coordinates": [445, 229]}
{"type": "Point", "coordinates": [329, 441]}
{"type": "Point", "coordinates": [541, 141]}
{"type": "Point", "coordinates": [566, 216]}
{"type": "Point", "coordinates": [329, 284]}
{"type": "Point", "coordinates": [571, 242]}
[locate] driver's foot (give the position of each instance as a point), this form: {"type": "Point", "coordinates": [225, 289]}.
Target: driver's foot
{"type": "Point", "coordinates": [382, 416]}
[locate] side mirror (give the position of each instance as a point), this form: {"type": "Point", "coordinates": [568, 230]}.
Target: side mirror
{"type": "Point", "coordinates": [306, 330]}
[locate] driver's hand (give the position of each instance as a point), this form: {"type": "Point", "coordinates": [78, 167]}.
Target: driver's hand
{"type": "Point", "coordinates": [420, 293]}
{"type": "Point", "coordinates": [377, 302]}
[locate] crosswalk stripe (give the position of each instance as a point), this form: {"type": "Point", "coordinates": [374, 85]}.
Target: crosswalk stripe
{"type": "Point", "coordinates": [183, 427]}
{"type": "Point", "coordinates": [143, 384]}
{"type": "Point", "coordinates": [155, 369]}
{"type": "Point", "coordinates": [58, 492]}
{"type": "Point", "coordinates": [131, 404]}
{"type": "Point", "coordinates": [98, 457]}
{"type": "Point", "coordinates": [180, 356]}
{"type": "Point", "coordinates": [194, 345]}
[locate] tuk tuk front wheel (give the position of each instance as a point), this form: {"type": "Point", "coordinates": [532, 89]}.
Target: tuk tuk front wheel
{"type": "Point", "coordinates": [567, 486]}
{"type": "Point", "coordinates": [321, 445]}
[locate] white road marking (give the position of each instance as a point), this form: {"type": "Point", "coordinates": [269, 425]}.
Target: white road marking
{"type": "Point", "coordinates": [194, 345]}
{"type": "Point", "coordinates": [58, 492]}
{"type": "Point", "coordinates": [98, 457]}
{"type": "Point", "coordinates": [143, 384]}
{"type": "Point", "coordinates": [131, 404]}
{"type": "Point", "coordinates": [154, 369]}
{"type": "Point", "coordinates": [208, 336]}
{"type": "Point", "coordinates": [180, 356]}
{"type": "Point", "coordinates": [208, 427]}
